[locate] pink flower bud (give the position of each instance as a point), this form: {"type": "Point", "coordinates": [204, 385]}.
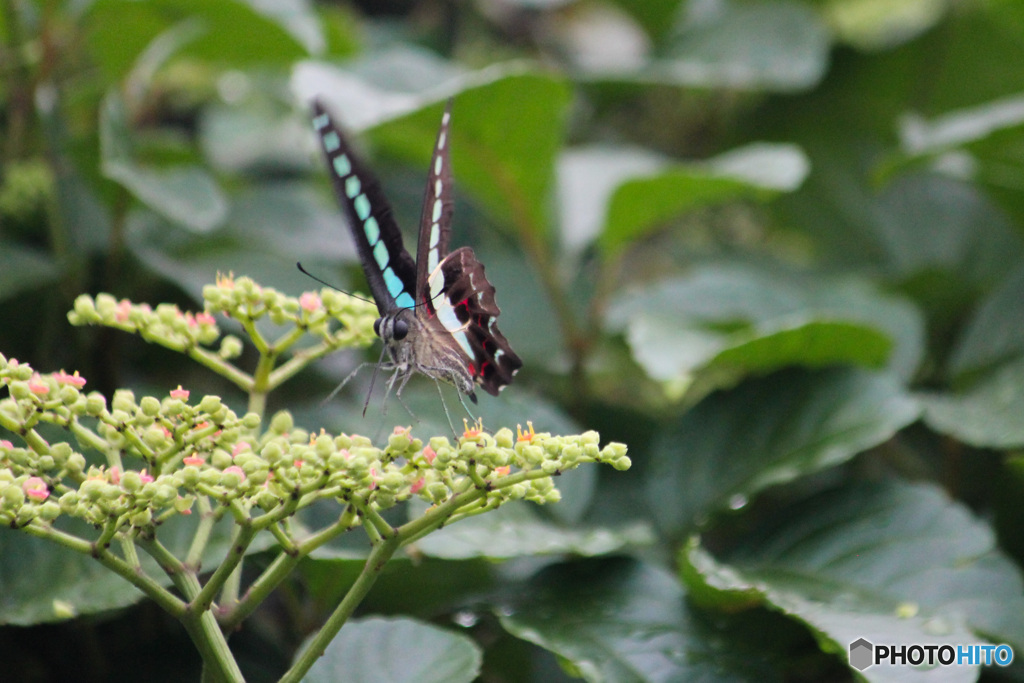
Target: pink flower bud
{"type": "Point", "coordinates": [74, 380]}
{"type": "Point", "coordinates": [310, 301]}
{"type": "Point", "coordinates": [193, 460]}
{"type": "Point", "coordinates": [417, 485]}
{"type": "Point", "coordinates": [37, 386]}
{"type": "Point", "coordinates": [35, 488]}
{"type": "Point", "coordinates": [429, 454]}
{"type": "Point", "coordinates": [179, 393]}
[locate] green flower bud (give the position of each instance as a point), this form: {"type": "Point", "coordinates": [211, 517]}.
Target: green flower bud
{"type": "Point", "coordinates": [106, 306]}
{"type": "Point", "coordinates": [131, 481]}
{"type": "Point", "coordinates": [141, 517]}
{"type": "Point", "coordinates": [60, 452]}
{"type": "Point", "coordinates": [282, 422]}
{"type": "Point", "coordinates": [504, 438]}
{"type": "Point", "coordinates": [183, 503]}
{"type": "Point", "coordinates": [622, 464]}
{"type": "Point", "coordinates": [230, 347]}
{"type": "Point", "coordinates": [155, 437]}
{"type": "Point", "coordinates": [75, 464]}
{"type": "Point", "coordinates": [150, 406]}
{"type": "Point", "coordinates": [168, 314]}
{"type": "Point", "coordinates": [95, 404]}
{"type": "Point", "coordinates": [68, 502]}
{"type": "Point", "coordinates": [210, 404]}
{"type": "Point", "coordinates": [571, 454]}
{"type": "Point", "coordinates": [257, 477]}
{"type": "Point", "coordinates": [531, 455]}
{"type": "Point", "coordinates": [590, 437]}
{"type": "Point", "coordinates": [267, 500]}
{"type": "Point", "coordinates": [324, 446]}
{"type": "Point", "coordinates": [251, 421]}
{"type": "Point", "coordinates": [298, 436]}
{"type": "Point", "coordinates": [439, 442]}
{"type": "Point", "coordinates": [391, 481]}
{"type": "Point", "coordinates": [124, 401]}
{"type": "Point", "coordinates": [343, 442]}
{"type": "Point", "coordinates": [91, 489]}
{"type": "Point", "coordinates": [221, 459]}
{"type": "Point", "coordinates": [436, 492]}
{"type": "Point", "coordinates": [19, 390]}
{"type": "Point", "coordinates": [85, 310]}
{"type": "Point", "coordinates": [210, 477]}
{"type": "Point", "coordinates": [45, 463]}
{"type": "Point", "coordinates": [190, 476]}
{"type": "Point", "coordinates": [13, 496]}
{"type": "Point", "coordinates": [68, 394]}
{"type": "Point", "coordinates": [549, 466]}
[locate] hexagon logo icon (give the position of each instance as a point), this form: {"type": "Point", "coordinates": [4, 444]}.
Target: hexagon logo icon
{"type": "Point", "coordinates": [861, 654]}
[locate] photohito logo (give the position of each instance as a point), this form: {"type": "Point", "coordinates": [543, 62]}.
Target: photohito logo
{"type": "Point", "coordinates": [863, 654]}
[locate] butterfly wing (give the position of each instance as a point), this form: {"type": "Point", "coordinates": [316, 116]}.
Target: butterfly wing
{"type": "Point", "coordinates": [390, 270]}
{"type": "Point", "coordinates": [461, 303]}
{"type": "Point", "coordinates": [436, 219]}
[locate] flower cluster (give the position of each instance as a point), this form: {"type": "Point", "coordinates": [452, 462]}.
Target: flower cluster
{"type": "Point", "coordinates": [240, 299]}
{"type": "Point", "coordinates": [187, 450]}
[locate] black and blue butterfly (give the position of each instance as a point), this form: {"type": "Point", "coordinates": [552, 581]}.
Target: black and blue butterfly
{"type": "Point", "coordinates": [437, 314]}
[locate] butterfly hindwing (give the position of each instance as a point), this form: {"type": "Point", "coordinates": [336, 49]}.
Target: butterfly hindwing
{"type": "Point", "coordinates": [466, 310]}
{"type": "Point", "coordinates": [390, 270]}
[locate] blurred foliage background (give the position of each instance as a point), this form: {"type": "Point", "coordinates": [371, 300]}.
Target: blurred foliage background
{"type": "Point", "coordinates": [775, 246]}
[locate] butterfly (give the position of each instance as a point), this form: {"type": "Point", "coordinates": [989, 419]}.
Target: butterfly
{"type": "Point", "coordinates": [437, 313]}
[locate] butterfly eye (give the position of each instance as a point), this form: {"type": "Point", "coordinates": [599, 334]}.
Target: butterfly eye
{"type": "Point", "coordinates": [401, 329]}
{"type": "Point", "coordinates": [376, 326]}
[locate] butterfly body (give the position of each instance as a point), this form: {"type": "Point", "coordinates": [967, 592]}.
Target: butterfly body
{"type": "Point", "coordinates": [437, 313]}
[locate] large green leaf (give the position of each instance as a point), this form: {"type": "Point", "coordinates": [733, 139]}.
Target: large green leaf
{"type": "Point", "coordinates": [891, 562]}
{"type": "Point", "coordinates": [236, 33]}
{"type": "Point", "coordinates": [989, 415]}
{"type": "Point", "coordinates": [397, 651]}
{"type": "Point", "coordinates": [710, 328]}
{"type": "Point", "coordinates": [516, 529]}
{"type": "Point", "coordinates": [995, 332]}
{"type": "Point", "coordinates": [769, 431]}
{"type": "Point", "coordinates": [187, 195]}
{"type": "Point", "coordinates": [764, 45]}
{"type": "Point", "coordinates": [759, 171]}
{"type": "Point", "coordinates": [41, 581]}
{"type": "Point", "coordinates": [620, 621]}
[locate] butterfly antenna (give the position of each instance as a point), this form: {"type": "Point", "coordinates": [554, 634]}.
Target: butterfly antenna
{"type": "Point", "coordinates": [444, 405]}
{"type": "Point", "coordinates": [328, 284]}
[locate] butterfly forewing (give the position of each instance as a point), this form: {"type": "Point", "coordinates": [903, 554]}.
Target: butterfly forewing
{"type": "Point", "coordinates": [389, 269]}
{"type": "Point", "coordinates": [436, 219]}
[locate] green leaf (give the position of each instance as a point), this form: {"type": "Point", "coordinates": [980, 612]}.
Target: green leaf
{"type": "Point", "coordinates": [237, 33]}
{"type": "Point", "coordinates": [710, 328]}
{"type": "Point", "coordinates": [516, 529]}
{"type": "Point", "coordinates": [186, 195]}
{"type": "Point", "coordinates": [995, 332]}
{"type": "Point", "coordinates": [759, 172]}
{"type": "Point", "coordinates": [735, 444]}
{"type": "Point", "coordinates": [873, 25]}
{"type": "Point", "coordinates": [620, 621]}
{"type": "Point", "coordinates": [889, 562]}
{"type": "Point", "coordinates": [506, 134]}
{"type": "Point", "coordinates": [395, 651]}
{"type": "Point", "coordinates": [767, 45]}
{"type": "Point", "coordinates": [989, 415]}
{"type": "Point", "coordinates": [42, 582]}
{"type": "Point", "coordinates": [961, 127]}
